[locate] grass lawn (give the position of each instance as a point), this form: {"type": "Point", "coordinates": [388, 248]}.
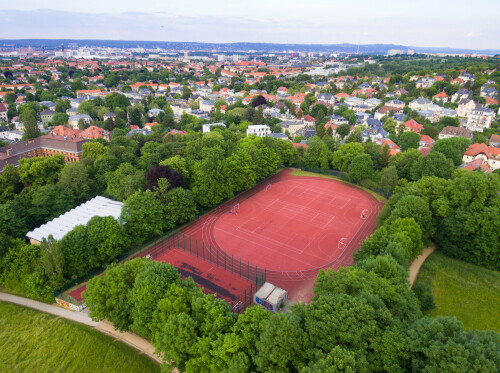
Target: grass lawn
{"type": "Point", "coordinates": [298, 172]}
{"type": "Point", "coordinates": [466, 291]}
{"type": "Point", "coordinates": [32, 341]}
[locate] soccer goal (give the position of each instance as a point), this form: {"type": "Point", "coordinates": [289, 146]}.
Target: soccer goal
{"type": "Point", "coordinates": [364, 214]}
{"type": "Point", "coordinates": [268, 186]}
{"type": "Point", "coordinates": [342, 243]}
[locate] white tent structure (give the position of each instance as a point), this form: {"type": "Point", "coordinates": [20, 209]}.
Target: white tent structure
{"type": "Point", "coordinates": [80, 215]}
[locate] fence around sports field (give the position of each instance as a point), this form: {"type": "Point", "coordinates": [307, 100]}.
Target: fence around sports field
{"type": "Point", "coordinates": [216, 256]}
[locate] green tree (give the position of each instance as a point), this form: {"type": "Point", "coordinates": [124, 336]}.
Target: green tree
{"type": "Point", "coordinates": [149, 287]}
{"type": "Point", "coordinates": [108, 236]}
{"type": "Point", "coordinates": [180, 206]}
{"type": "Point", "coordinates": [434, 164]}
{"type": "Point", "coordinates": [404, 162]}
{"type": "Point", "coordinates": [452, 148]}
{"type": "Point", "coordinates": [75, 177]}
{"type": "Point", "coordinates": [274, 351]}
{"type": "Point", "coordinates": [212, 179]}
{"type": "Point", "coordinates": [125, 181]}
{"type": "Point", "coordinates": [343, 130]}
{"type": "Point", "coordinates": [389, 179]}
{"type": "Point", "coordinates": [31, 129]}
{"type": "Point", "coordinates": [141, 214]}
{"type": "Point", "coordinates": [345, 155]}
{"type": "Point", "coordinates": [409, 140]}
{"type": "Point", "coordinates": [360, 168]}
{"type": "Point", "coordinates": [40, 170]}
{"type": "Point", "coordinates": [52, 262]}
{"type": "Point", "coordinates": [107, 296]}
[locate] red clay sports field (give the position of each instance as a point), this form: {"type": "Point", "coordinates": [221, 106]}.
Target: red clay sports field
{"type": "Point", "coordinates": [283, 230]}
{"type": "Point", "coordinates": [292, 226]}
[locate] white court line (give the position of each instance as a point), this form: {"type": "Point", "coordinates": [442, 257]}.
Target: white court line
{"type": "Point", "coordinates": [271, 249]}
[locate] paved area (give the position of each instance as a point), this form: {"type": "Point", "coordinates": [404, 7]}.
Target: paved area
{"type": "Point", "coordinates": [133, 340]}
{"type": "Point", "coordinates": [417, 263]}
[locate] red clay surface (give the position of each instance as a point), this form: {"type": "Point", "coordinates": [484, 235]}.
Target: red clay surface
{"type": "Point", "coordinates": [213, 279]}
{"type": "Point", "coordinates": [293, 229]}
{"type": "Point", "coordinates": [77, 294]}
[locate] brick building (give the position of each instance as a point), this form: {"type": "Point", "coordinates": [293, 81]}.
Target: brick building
{"type": "Point", "coordinates": [44, 146]}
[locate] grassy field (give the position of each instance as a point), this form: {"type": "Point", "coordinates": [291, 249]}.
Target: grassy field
{"type": "Point", "coordinates": [32, 341]}
{"type": "Point", "coordinates": [298, 172]}
{"type": "Point", "coordinates": [466, 291]}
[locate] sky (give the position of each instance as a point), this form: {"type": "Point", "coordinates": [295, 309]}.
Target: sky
{"type": "Point", "coordinates": [426, 23]}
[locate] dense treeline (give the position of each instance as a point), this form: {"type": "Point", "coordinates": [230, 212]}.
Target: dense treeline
{"type": "Point", "coordinates": [163, 181]}
{"type": "Point", "coordinates": [362, 319]}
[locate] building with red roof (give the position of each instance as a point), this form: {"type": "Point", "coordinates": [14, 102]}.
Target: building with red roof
{"type": "Point", "coordinates": [488, 154]}
{"type": "Point", "coordinates": [426, 142]}
{"type": "Point", "coordinates": [413, 126]}
{"type": "Point", "coordinates": [65, 131]}
{"type": "Point", "coordinates": [94, 132]}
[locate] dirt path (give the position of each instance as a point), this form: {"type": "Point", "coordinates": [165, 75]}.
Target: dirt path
{"type": "Point", "coordinates": [131, 339]}
{"type": "Point", "coordinates": [417, 263]}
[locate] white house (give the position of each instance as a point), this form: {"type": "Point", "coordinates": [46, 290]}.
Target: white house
{"type": "Point", "coordinates": [74, 119]}
{"type": "Point", "coordinates": [260, 130]}
{"type": "Point", "coordinates": [206, 127]}
{"type": "Point", "coordinates": [207, 105]}
{"type": "Point", "coordinates": [480, 118]}
{"type": "Point", "coordinates": [155, 112]}
{"type": "Point", "coordinates": [420, 103]}
{"type": "Point", "coordinates": [464, 108]}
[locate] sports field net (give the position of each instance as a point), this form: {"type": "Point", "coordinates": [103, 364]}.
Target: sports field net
{"type": "Point", "coordinates": [209, 253]}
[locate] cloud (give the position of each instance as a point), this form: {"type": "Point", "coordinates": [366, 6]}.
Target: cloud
{"type": "Point", "coordinates": [473, 34]}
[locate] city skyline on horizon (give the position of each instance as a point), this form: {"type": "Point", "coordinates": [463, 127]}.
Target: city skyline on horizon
{"type": "Point", "coordinates": [447, 24]}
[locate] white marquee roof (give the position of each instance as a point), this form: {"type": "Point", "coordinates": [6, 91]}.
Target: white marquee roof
{"type": "Point", "coordinates": [80, 215]}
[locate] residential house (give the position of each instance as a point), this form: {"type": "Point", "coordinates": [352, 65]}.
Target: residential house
{"type": "Point", "coordinates": [425, 142]}
{"type": "Point", "coordinates": [393, 147]}
{"type": "Point", "coordinates": [207, 105]}
{"type": "Point", "coordinates": [413, 126]}
{"type": "Point", "coordinates": [398, 104]}
{"type": "Point", "coordinates": [495, 141]}
{"type": "Point", "coordinates": [450, 131]}
{"type": "Point", "coordinates": [291, 127]}
{"type": "Point", "coordinates": [149, 126]}
{"type": "Point", "coordinates": [420, 103]}
{"type": "Point", "coordinates": [480, 118]}
{"type": "Point", "coordinates": [464, 108]}
{"type": "Point", "coordinates": [280, 136]}
{"type": "Point", "coordinates": [460, 95]}
{"type": "Point", "coordinates": [441, 97]}
{"type": "Point", "coordinates": [326, 98]}
{"type": "Point", "coordinates": [386, 111]}
{"type": "Point", "coordinates": [152, 113]}
{"type": "Point", "coordinates": [207, 127]}
{"type": "Point", "coordinates": [307, 132]}
{"type": "Point", "coordinates": [94, 132]}
{"type": "Point", "coordinates": [11, 136]}
{"type": "Point", "coordinates": [488, 154]}
{"type": "Point", "coordinates": [425, 82]}
{"type": "Point", "coordinates": [260, 130]}
{"type": "Point", "coordinates": [3, 112]}
{"type": "Point", "coordinates": [46, 116]}
{"type": "Point", "coordinates": [109, 115]}
{"type": "Point", "coordinates": [74, 119]}
{"type": "Point", "coordinates": [65, 132]}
